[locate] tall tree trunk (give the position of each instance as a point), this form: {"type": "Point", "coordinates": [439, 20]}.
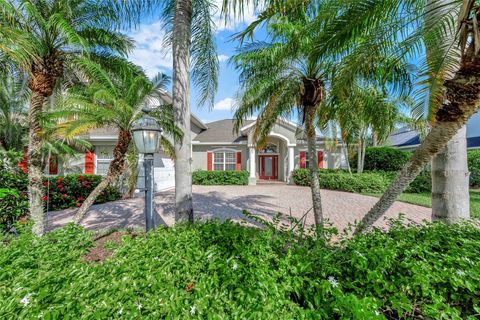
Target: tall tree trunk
{"type": "Point", "coordinates": [115, 169]}
{"type": "Point", "coordinates": [313, 166]}
{"type": "Point", "coordinates": [346, 155]}
{"type": "Point", "coordinates": [450, 193]}
{"type": "Point", "coordinates": [35, 185]}
{"type": "Point", "coordinates": [181, 105]}
{"type": "Point", "coordinates": [450, 181]}
{"type": "Point", "coordinates": [462, 99]}
{"type": "Point", "coordinates": [360, 156]}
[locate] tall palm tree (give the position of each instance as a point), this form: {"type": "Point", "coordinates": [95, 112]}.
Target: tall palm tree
{"type": "Point", "coordinates": [403, 25]}
{"type": "Point", "coordinates": [47, 39]}
{"type": "Point", "coordinates": [191, 29]}
{"type": "Point", "coordinates": [114, 99]}
{"type": "Point", "coordinates": [279, 79]}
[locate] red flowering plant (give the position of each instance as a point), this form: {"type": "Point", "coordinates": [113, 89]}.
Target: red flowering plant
{"type": "Point", "coordinates": [71, 190]}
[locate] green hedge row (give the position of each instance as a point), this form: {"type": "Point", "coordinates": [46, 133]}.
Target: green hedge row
{"type": "Point", "coordinates": [202, 177]}
{"type": "Point", "coordinates": [474, 167]}
{"type": "Point", "coordinates": [366, 182]}
{"type": "Point", "coordinates": [228, 271]}
{"type": "Point", "coordinates": [61, 192]}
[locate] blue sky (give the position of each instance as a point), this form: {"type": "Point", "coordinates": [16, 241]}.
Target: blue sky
{"type": "Point", "coordinates": [154, 57]}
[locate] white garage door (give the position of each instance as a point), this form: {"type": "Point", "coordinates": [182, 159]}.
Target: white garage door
{"type": "Point", "coordinates": [164, 176]}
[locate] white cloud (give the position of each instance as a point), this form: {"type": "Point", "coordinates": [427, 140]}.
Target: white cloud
{"type": "Point", "coordinates": [222, 58]}
{"type": "Point", "coordinates": [232, 24]}
{"type": "Point", "coordinates": [149, 52]}
{"type": "Point", "coordinates": [225, 104]}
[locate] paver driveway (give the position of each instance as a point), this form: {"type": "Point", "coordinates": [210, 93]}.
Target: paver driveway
{"type": "Point", "coordinates": [227, 202]}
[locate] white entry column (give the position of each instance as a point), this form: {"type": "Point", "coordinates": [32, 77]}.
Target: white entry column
{"type": "Point", "coordinates": [252, 180]}
{"type": "Point", "coordinates": [291, 163]}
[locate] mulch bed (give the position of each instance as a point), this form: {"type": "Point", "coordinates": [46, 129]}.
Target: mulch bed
{"type": "Point", "coordinates": [99, 253]}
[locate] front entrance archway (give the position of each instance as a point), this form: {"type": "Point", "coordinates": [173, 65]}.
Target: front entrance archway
{"type": "Point", "coordinates": [268, 168]}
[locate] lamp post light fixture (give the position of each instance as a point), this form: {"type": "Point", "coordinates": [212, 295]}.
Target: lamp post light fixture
{"type": "Point", "coordinates": [146, 135]}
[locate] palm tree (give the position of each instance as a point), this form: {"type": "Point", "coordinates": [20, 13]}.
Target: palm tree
{"type": "Point", "coordinates": [114, 99]}
{"type": "Point", "coordinates": [364, 111]}
{"type": "Point", "coordinates": [280, 79]}
{"type": "Point", "coordinates": [383, 22]}
{"type": "Point", "coordinates": [191, 30]}
{"type": "Point", "coordinates": [48, 39]}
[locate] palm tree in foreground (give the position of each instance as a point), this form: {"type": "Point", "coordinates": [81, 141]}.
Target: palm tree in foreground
{"type": "Point", "coordinates": [280, 79]}
{"type": "Point", "coordinates": [460, 96]}
{"type": "Point", "coordinates": [114, 99]}
{"type": "Point", "coordinates": [46, 40]}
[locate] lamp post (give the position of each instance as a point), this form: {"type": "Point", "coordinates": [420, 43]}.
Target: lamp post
{"type": "Point", "coordinates": [146, 135]}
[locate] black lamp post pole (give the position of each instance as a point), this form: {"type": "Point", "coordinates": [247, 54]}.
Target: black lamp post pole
{"type": "Point", "coordinates": [149, 219]}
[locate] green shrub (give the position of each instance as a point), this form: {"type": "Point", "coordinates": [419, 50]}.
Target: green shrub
{"type": "Point", "coordinates": [13, 205]}
{"type": "Point", "coordinates": [474, 167]}
{"type": "Point", "coordinates": [203, 177]}
{"type": "Point", "coordinates": [370, 182]}
{"type": "Point", "coordinates": [62, 192]}
{"type": "Point", "coordinates": [227, 271]}
{"type": "Point", "coordinates": [383, 159]}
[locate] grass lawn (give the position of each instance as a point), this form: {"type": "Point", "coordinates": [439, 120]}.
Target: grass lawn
{"type": "Point", "coordinates": [425, 199]}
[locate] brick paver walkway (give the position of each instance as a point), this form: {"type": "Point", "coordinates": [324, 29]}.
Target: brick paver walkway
{"type": "Point", "coordinates": [227, 202]}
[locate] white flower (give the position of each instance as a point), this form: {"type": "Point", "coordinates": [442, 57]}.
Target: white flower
{"type": "Point", "coordinates": [333, 281]}
{"type": "Point", "coordinates": [377, 313]}
{"type": "Point", "coordinates": [139, 306]}
{"type": "Point", "coordinates": [120, 311]}
{"type": "Point", "coordinates": [235, 266]}
{"type": "Point", "coordinates": [210, 256]}
{"type": "Point", "coordinates": [193, 310]}
{"type": "Point", "coordinates": [460, 273]}
{"type": "Point", "coordinates": [25, 300]}
{"type": "Point", "coordinates": [156, 258]}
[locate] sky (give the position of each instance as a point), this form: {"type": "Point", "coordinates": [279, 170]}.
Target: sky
{"type": "Point", "coordinates": [153, 57]}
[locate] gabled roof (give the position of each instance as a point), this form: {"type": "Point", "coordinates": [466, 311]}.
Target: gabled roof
{"type": "Point", "coordinates": [406, 137]}
{"type": "Point", "coordinates": [221, 131]}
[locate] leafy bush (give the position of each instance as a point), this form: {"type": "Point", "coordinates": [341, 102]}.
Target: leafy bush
{"type": "Point", "coordinates": [203, 177]}
{"type": "Point", "coordinates": [383, 159]}
{"type": "Point", "coordinates": [370, 182]}
{"type": "Point", "coordinates": [61, 192]}
{"type": "Point", "coordinates": [13, 205]}
{"type": "Point", "coordinates": [366, 182]}
{"type": "Point", "coordinates": [474, 167]}
{"type": "Point", "coordinates": [9, 160]}
{"type": "Point", "coordinates": [227, 271]}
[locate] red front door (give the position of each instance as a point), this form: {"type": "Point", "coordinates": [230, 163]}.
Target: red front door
{"type": "Point", "coordinates": [268, 167]}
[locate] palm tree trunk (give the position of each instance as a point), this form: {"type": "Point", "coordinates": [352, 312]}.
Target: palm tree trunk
{"type": "Point", "coordinates": [114, 171]}
{"type": "Point", "coordinates": [462, 99]}
{"type": "Point", "coordinates": [181, 105]}
{"type": "Point", "coordinates": [35, 185]}
{"type": "Point", "coordinates": [346, 155]}
{"type": "Point", "coordinates": [360, 156]}
{"type": "Point", "coordinates": [450, 181]}
{"type": "Point", "coordinates": [313, 166]}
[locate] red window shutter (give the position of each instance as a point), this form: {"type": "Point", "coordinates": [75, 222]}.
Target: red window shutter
{"type": "Point", "coordinates": [320, 159]}
{"type": "Point", "coordinates": [239, 161]}
{"type": "Point", "coordinates": [90, 162]}
{"type": "Point", "coordinates": [24, 163]}
{"type": "Point", "coordinates": [209, 161]}
{"type": "Point", "coordinates": [53, 165]}
{"type": "Point", "coordinates": [303, 160]}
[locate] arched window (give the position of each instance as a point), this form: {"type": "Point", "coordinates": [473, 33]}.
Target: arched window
{"type": "Point", "coordinates": [270, 148]}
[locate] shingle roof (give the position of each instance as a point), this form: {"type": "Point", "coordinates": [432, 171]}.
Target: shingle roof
{"type": "Point", "coordinates": [473, 142]}
{"type": "Point", "coordinates": [221, 131]}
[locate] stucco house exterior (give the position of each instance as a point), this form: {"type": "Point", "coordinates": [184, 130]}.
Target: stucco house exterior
{"type": "Point", "coordinates": [217, 146]}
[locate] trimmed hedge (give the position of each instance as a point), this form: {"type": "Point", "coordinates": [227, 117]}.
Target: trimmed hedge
{"type": "Point", "coordinates": [13, 205]}
{"type": "Point", "coordinates": [61, 192]}
{"type": "Point", "coordinates": [383, 159]}
{"type": "Point", "coordinates": [370, 182]}
{"type": "Point", "coordinates": [207, 178]}
{"type": "Point", "coordinates": [228, 271]}
{"type": "Point", "coordinates": [366, 182]}
{"type": "Point", "coordinates": [474, 167]}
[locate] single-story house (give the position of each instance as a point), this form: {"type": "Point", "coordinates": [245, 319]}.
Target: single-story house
{"type": "Point", "coordinates": [408, 139]}
{"type": "Point", "coordinates": [217, 146]}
